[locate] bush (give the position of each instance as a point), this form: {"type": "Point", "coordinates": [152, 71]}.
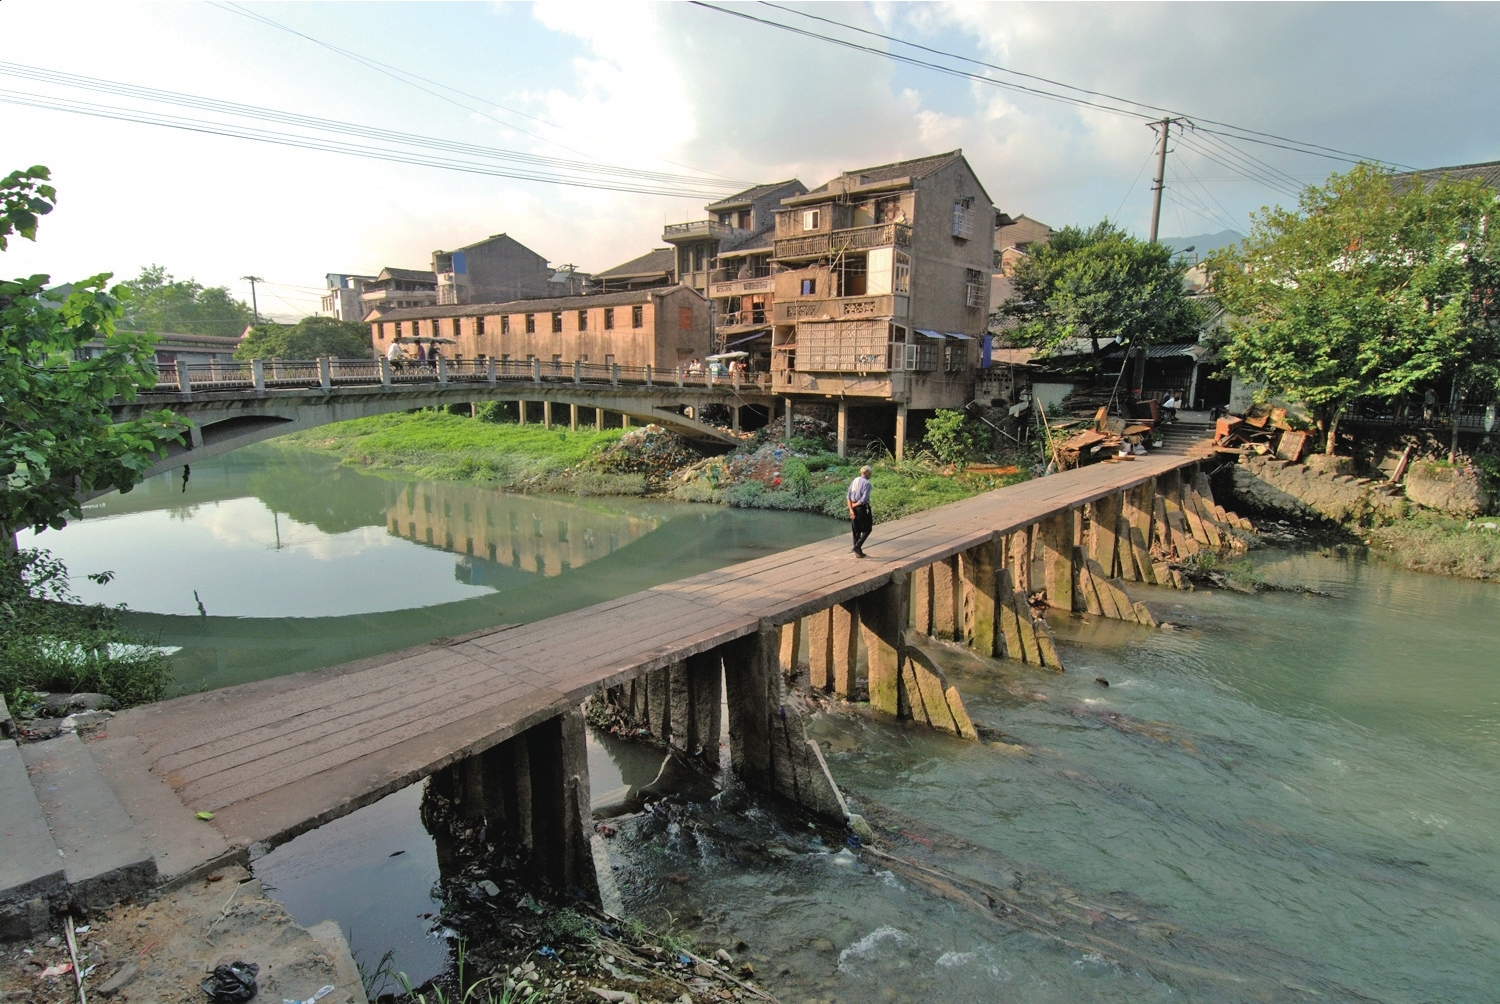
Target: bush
{"type": "Point", "coordinates": [49, 642]}
{"type": "Point", "coordinates": [951, 437]}
{"type": "Point", "coordinates": [490, 411]}
{"type": "Point", "coordinates": [796, 477]}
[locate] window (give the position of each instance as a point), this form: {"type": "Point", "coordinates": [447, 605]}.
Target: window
{"type": "Point", "coordinates": [531, 324]}
{"type": "Point", "coordinates": [727, 219]}
{"type": "Point", "coordinates": [505, 324]}
{"type": "Point", "coordinates": [456, 329]}
{"type": "Point", "coordinates": [809, 287]}
{"type": "Point", "coordinates": [556, 321]}
{"type": "Point", "coordinates": [973, 288]}
{"type": "Point", "coordinates": [637, 317]}
{"type": "Point", "coordinates": [609, 318]}
{"type": "Point", "coordinates": [743, 222]}
{"type": "Point", "coordinates": [398, 329]}
{"type": "Point", "coordinates": [609, 361]}
{"type": "Point", "coordinates": [963, 217]}
{"type": "Point", "coordinates": [684, 318]}
{"type": "Point", "coordinates": [902, 281]}
{"type": "Point", "coordinates": [698, 258]}
{"type": "Point", "coordinates": [583, 320]}
{"type": "Point", "coordinates": [811, 218]}
{"type": "Point", "coordinates": [479, 325]}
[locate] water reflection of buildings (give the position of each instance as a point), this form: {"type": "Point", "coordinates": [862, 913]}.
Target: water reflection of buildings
{"type": "Point", "coordinates": [492, 531]}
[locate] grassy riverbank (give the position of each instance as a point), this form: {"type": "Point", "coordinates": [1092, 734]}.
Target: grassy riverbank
{"type": "Point", "coordinates": [1441, 545]}
{"type": "Point", "coordinates": [798, 475]}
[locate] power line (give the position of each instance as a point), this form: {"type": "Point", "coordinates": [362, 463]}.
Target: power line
{"type": "Point", "coordinates": [1241, 133]}
{"type": "Point", "coordinates": [401, 76]}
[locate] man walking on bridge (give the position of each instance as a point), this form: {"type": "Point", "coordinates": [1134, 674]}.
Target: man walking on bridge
{"type": "Point", "coordinates": [860, 520]}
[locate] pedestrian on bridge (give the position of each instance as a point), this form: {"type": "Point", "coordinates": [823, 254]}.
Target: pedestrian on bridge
{"type": "Point", "coordinates": [397, 355]}
{"type": "Point", "coordinates": [860, 520]}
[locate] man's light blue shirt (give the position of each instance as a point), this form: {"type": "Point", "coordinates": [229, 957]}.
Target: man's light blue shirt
{"type": "Point", "coordinates": [859, 490]}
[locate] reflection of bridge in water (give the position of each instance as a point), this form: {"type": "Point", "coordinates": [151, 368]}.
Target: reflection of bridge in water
{"type": "Point", "coordinates": [501, 533]}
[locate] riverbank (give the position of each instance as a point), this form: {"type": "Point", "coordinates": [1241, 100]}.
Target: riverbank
{"type": "Point", "coordinates": [1441, 545]}
{"type": "Point", "coordinates": [798, 475]}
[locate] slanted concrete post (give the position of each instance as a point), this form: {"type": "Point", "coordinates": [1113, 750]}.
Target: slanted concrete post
{"type": "Point", "coordinates": [573, 417]}
{"type": "Point", "coordinates": [561, 824]}
{"type": "Point", "coordinates": [900, 431]}
{"type": "Point", "coordinates": [845, 647]}
{"type": "Point", "coordinates": [788, 431]}
{"type": "Point", "coordinates": [489, 370]}
{"type": "Point", "coordinates": [1057, 558]}
{"type": "Point", "coordinates": [945, 600]}
{"type": "Point", "coordinates": [1105, 535]}
{"type": "Point", "coordinates": [882, 627]}
{"type": "Point", "coordinates": [385, 371]}
{"type": "Point", "coordinates": [977, 567]}
{"type": "Point", "coordinates": [843, 428]}
{"type": "Point", "coordinates": [184, 382]}
{"type": "Point", "coordinates": [696, 689]}
{"type": "Point", "coordinates": [819, 628]}
{"type": "Point", "coordinates": [325, 373]}
{"type": "Point", "coordinates": [258, 375]}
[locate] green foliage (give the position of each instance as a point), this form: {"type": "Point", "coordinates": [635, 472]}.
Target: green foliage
{"type": "Point", "coordinates": [490, 411]}
{"type": "Point", "coordinates": [953, 437]}
{"type": "Point", "coordinates": [57, 435]}
{"type": "Point", "coordinates": [796, 476]}
{"type": "Point", "coordinates": [162, 304]}
{"type": "Point", "coordinates": [1439, 544]}
{"type": "Point", "coordinates": [23, 201]}
{"type": "Point", "coordinates": [49, 642]}
{"type": "Point", "coordinates": [431, 444]}
{"type": "Point", "coordinates": [1100, 283]}
{"type": "Point", "coordinates": [309, 338]}
{"type": "Point", "coordinates": [1368, 288]}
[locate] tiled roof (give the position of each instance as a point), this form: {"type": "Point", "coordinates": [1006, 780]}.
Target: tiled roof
{"type": "Point", "coordinates": [921, 167]}
{"type": "Point", "coordinates": [657, 262]}
{"type": "Point", "coordinates": [628, 297]}
{"type": "Point", "coordinates": [411, 274]}
{"type": "Point", "coordinates": [1488, 172]}
{"type": "Point", "coordinates": [751, 194]}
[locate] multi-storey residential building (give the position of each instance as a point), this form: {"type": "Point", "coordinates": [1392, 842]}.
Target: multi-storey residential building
{"type": "Point", "coordinates": [881, 289]}
{"type": "Point", "coordinates": [662, 327]}
{"type": "Point", "coordinates": [398, 288]}
{"type": "Point", "coordinates": [343, 299]}
{"type": "Point", "coordinates": [493, 270]}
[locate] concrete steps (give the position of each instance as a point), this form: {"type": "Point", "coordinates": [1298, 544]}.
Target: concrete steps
{"type": "Point", "coordinates": [31, 869]}
{"type": "Point", "coordinates": [104, 856]}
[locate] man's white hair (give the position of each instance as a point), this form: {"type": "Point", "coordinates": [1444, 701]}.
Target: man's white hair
{"type": "Point", "coordinates": [864, 471]}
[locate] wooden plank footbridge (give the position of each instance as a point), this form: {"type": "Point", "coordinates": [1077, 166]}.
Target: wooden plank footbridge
{"type": "Point", "coordinates": [495, 717]}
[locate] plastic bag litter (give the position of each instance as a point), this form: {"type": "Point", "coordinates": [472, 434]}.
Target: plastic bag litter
{"type": "Point", "coordinates": [232, 984]}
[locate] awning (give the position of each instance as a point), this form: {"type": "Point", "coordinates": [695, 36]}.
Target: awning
{"type": "Point", "coordinates": [929, 334]}
{"type": "Point", "coordinates": [962, 338]}
{"type": "Point", "coordinates": [749, 338]}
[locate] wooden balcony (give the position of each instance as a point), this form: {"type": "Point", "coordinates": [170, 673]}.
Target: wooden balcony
{"type": "Point", "coordinates": [813, 246]}
{"type": "Point", "coordinates": [839, 308]}
{"type": "Point", "coordinates": [741, 287]}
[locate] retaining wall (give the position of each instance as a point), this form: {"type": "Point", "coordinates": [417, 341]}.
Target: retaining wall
{"type": "Point", "coordinates": [1273, 485]}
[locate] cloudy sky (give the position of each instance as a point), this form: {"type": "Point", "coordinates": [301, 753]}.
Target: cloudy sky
{"type": "Point", "coordinates": [678, 98]}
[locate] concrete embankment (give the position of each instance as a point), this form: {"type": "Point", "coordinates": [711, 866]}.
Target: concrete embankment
{"type": "Point", "coordinates": [1298, 490]}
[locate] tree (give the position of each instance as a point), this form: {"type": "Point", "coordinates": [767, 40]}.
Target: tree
{"type": "Point", "coordinates": [57, 435]}
{"type": "Point", "coordinates": [307, 339]}
{"type": "Point", "coordinates": [162, 304]}
{"type": "Point", "coordinates": [1372, 286]}
{"type": "Point", "coordinates": [1101, 283]}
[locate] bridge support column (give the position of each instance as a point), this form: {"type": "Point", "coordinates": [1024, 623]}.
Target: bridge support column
{"type": "Point", "coordinates": [768, 744]}
{"type": "Point", "coordinates": [1057, 558]}
{"type": "Point", "coordinates": [843, 428]}
{"type": "Point", "coordinates": [819, 630]}
{"type": "Point", "coordinates": [573, 417]}
{"type": "Point", "coordinates": [546, 414]}
{"type": "Point", "coordinates": [696, 699]}
{"type": "Point", "coordinates": [788, 432]}
{"type": "Point", "coordinates": [945, 600]}
{"type": "Point", "coordinates": [521, 412]}
{"type": "Point", "coordinates": [882, 627]}
{"type": "Point", "coordinates": [845, 627]}
{"type": "Point", "coordinates": [734, 417]}
{"type": "Point", "coordinates": [977, 574]}
{"type": "Point", "coordinates": [900, 431]}
{"type": "Point", "coordinates": [598, 418]}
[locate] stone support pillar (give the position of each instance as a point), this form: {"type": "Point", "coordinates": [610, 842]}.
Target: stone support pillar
{"type": "Point", "coordinates": [561, 823]}
{"type": "Point", "coordinates": [521, 412]}
{"type": "Point", "coordinates": [791, 645]}
{"type": "Point", "coordinates": [882, 628]}
{"type": "Point", "coordinates": [945, 600]}
{"type": "Point", "coordinates": [977, 568]}
{"type": "Point", "coordinates": [900, 431]}
{"type": "Point", "coordinates": [1057, 558]}
{"type": "Point", "coordinates": [921, 599]}
{"type": "Point", "coordinates": [788, 417]}
{"type": "Point", "coordinates": [843, 432]}
{"type": "Point", "coordinates": [845, 642]}
{"type": "Point", "coordinates": [696, 687]}
{"type": "Point", "coordinates": [573, 417]}
{"type": "Point", "coordinates": [546, 414]}
{"type": "Point", "coordinates": [819, 628]}
{"type": "Point", "coordinates": [753, 688]}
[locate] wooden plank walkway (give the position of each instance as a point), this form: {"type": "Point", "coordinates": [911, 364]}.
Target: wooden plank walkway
{"type": "Point", "coordinates": [275, 758]}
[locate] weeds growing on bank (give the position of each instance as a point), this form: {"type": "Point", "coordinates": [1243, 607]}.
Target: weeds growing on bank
{"type": "Point", "coordinates": [447, 447]}
{"type": "Point", "coordinates": [1443, 545]}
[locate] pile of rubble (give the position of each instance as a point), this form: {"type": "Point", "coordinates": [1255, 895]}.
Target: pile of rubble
{"type": "Point", "coordinates": [1106, 438]}
{"type": "Point", "coordinates": [764, 464]}
{"type": "Point", "coordinates": [1261, 430]}
{"type": "Point", "coordinates": [651, 451]}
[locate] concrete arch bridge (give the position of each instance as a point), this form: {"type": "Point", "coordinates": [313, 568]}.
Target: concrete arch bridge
{"type": "Point", "coordinates": [232, 405]}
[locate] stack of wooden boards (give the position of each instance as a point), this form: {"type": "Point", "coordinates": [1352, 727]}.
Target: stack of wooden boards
{"type": "Point", "coordinates": [1262, 429]}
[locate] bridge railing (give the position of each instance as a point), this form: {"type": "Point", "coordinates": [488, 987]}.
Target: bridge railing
{"type": "Point", "coordinates": [327, 372]}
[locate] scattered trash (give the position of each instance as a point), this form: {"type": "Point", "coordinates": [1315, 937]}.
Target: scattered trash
{"type": "Point", "coordinates": [547, 952]}
{"type": "Point", "coordinates": [81, 930]}
{"type": "Point", "coordinates": [231, 984]}
{"type": "Point", "coordinates": [58, 970]}
{"type": "Point", "coordinates": [1101, 681]}
{"type": "Point", "coordinates": [395, 854]}
{"type": "Point", "coordinates": [323, 991]}
{"type": "Point", "coordinates": [852, 841]}
{"type": "Point", "coordinates": [490, 888]}
{"type": "Point", "coordinates": [617, 996]}
{"type": "Point", "coordinates": [205, 815]}
{"type": "Point", "coordinates": [619, 973]}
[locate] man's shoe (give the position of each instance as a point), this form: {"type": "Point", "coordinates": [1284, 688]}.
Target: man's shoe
{"type": "Point", "coordinates": [858, 553]}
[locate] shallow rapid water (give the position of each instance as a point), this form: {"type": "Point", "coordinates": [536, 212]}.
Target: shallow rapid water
{"type": "Point", "coordinates": [1289, 796]}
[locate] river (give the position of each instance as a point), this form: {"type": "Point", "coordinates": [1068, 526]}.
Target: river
{"type": "Point", "coordinates": [1288, 797]}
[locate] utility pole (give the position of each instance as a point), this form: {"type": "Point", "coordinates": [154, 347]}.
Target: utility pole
{"type": "Point", "coordinates": [253, 279]}
{"type": "Point", "coordinates": [1161, 172]}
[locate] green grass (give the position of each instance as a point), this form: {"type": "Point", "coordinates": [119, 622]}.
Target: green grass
{"type": "Point", "coordinates": [446, 447]}
{"type": "Point", "coordinates": [1441, 545]}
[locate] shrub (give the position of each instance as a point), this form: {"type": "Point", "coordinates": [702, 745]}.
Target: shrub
{"type": "Point", "coordinates": [951, 437]}
{"type": "Point", "coordinates": [795, 475]}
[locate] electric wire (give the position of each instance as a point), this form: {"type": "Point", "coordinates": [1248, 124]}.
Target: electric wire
{"type": "Point", "coordinates": [1313, 149]}
{"type": "Point", "coordinates": [183, 123]}
{"type": "Point", "coordinates": [408, 78]}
